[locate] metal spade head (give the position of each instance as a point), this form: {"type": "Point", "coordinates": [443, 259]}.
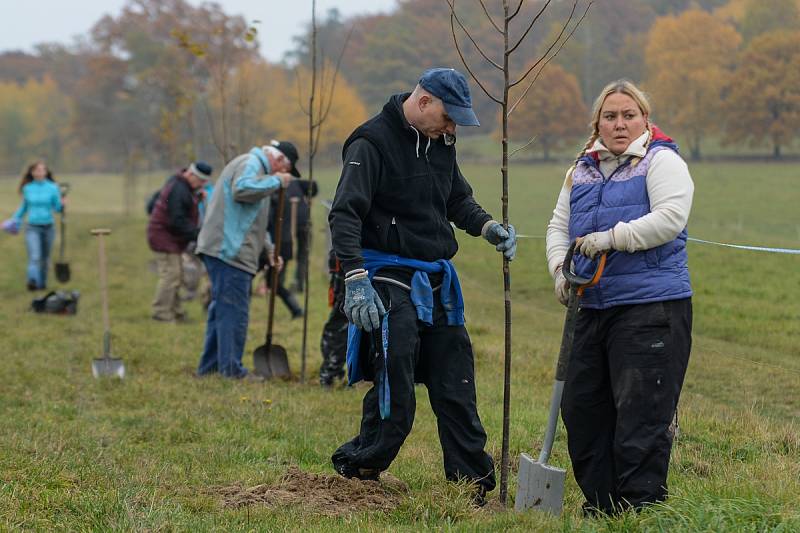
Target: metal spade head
{"type": "Point", "coordinates": [62, 272]}
{"type": "Point", "coordinates": [271, 361]}
{"type": "Point", "coordinates": [108, 367]}
{"type": "Point", "coordinates": [541, 486]}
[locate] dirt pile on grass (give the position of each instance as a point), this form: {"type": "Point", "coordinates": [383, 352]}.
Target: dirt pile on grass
{"type": "Point", "coordinates": [330, 495]}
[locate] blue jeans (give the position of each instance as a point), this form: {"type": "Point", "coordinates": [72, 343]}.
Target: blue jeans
{"type": "Point", "coordinates": [228, 314]}
{"type": "Point", "coordinates": [38, 241]}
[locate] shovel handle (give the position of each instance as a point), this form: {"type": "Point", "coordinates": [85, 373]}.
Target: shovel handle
{"type": "Point", "coordinates": [574, 279]}
{"type": "Point", "coordinates": [62, 228]}
{"type": "Point", "coordinates": [274, 281]}
{"type": "Point", "coordinates": [100, 233]}
{"type": "Point", "coordinates": [576, 288]}
{"type": "Point", "coordinates": [107, 345]}
{"type": "Point", "coordinates": [577, 285]}
{"type": "Point", "coordinates": [552, 421]}
{"type": "Point", "coordinates": [295, 201]}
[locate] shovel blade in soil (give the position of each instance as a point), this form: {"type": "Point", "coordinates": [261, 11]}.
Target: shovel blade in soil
{"type": "Point", "coordinates": [108, 367]}
{"type": "Point", "coordinates": [540, 486]}
{"type": "Point", "coordinates": [271, 362]}
{"type": "Point", "coordinates": [62, 272]}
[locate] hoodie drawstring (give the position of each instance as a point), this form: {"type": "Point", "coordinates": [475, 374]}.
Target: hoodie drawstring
{"type": "Point", "coordinates": [427, 148]}
{"type": "Point", "coordinates": [415, 131]}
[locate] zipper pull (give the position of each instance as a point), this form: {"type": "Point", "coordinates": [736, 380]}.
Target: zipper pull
{"type": "Point", "coordinates": [394, 222]}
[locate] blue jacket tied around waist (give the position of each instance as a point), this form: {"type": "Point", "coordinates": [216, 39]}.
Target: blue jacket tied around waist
{"type": "Point", "coordinates": [421, 296]}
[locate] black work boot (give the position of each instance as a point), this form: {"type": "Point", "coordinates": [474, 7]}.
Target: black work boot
{"type": "Point", "coordinates": [347, 470]}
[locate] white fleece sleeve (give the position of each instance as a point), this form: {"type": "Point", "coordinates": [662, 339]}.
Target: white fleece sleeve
{"type": "Point", "coordinates": [558, 228]}
{"type": "Point", "coordinates": [670, 189]}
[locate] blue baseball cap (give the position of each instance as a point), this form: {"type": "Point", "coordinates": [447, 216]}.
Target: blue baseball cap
{"type": "Point", "coordinates": [450, 86]}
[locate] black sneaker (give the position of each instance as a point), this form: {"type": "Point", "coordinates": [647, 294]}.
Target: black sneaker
{"type": "Point", "coordinates": [31, 285]}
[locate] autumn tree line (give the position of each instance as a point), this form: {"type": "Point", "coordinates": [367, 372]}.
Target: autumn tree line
{"type": "Point", "coordinates": [164, 81]}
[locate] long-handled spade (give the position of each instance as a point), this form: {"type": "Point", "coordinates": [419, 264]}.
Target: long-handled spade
{"type": "Point", "coordinates": [106, 365]}
{"type": "Point", "coordinates": [61, 266]}
{"type": "Point", "coordinates": [540, 485]}
{"type": "Point", "coordinates": [270, 360]}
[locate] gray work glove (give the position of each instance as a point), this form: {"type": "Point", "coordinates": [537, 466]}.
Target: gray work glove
{"type": "Point", "coordinates": [596, 243]}
{"type": "Point", "coordinates": [561, 287]}
{"type": "Point", "coordinates": [362, 305]}
{"type": "Point", "coordinates": [504, 241]}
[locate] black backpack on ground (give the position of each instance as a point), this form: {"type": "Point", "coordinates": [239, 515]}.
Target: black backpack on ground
{"type": "Point", "coordinates": [57, 302]}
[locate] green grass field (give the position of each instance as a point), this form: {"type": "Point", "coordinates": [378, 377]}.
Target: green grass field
{"type": "Point", "coordinates": [152, 452]}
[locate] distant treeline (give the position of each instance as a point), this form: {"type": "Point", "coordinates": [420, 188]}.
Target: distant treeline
{"type": "Point", "coordinates": [165, 82]}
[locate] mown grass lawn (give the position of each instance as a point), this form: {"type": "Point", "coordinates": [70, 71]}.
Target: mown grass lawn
{"type": "Point", "coordinates": [151, 452]}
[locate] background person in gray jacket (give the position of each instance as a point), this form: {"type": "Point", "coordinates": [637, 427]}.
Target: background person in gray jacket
{"type": "Point", "coordinates": [229, 244]}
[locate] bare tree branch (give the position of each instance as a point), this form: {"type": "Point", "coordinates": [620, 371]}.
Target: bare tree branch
{"type": "Point", "coordinates": [321, 102]}
{"type": "Point", "coordinates": [324, 114]}
{"type": "Point", "coordinates": [525, 92]}
{"type": "Point", "coordinates": [305, 110]}
{"type": "Point", "coordinates": [530, 26]}
{"type": "Point", "coordinates": [522, 147]}
{"type": "Point", "coordinates": [317, 134]}
{"type": "Point", "coordinates": [492, 62]}
{"type": "Point", "coordinates": [464, 61]}
{"type": "Point", "coordinates": [554, 43]}
{"type": "Point", "coordinates": [516, 11]}
{"type": "Point", "coordinates": [214, 138]}
{"type": "Point", "coordinates": [488, 16]}
{"type": "Point", "coordinates": [323, 72]}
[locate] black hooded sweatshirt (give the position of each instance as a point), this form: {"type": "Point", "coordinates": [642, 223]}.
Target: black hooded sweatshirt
{"type": "Point", "coordinates": [398, 193]}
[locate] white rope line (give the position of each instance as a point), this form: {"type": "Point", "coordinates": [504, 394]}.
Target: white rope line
{"type": "Point", "coordinates": [753, 248]}
{"type": "Point", "coordinates": [791, 251]}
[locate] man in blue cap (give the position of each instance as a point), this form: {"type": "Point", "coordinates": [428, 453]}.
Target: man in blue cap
{"type": "Point", "coordinates": [398, 194]}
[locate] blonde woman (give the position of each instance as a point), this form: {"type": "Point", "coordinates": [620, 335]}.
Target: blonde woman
{"type": "Point", "coordinates": [629, 194]}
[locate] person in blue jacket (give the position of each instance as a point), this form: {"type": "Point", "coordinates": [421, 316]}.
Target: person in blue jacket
{"type": "Point", "coordinates": [230, 241]}
{"type": "Point", "coordinates": [40, 198]}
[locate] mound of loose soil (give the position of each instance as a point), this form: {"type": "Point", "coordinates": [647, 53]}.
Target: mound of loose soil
{"type": "Point", "coordinates": [330, 495]}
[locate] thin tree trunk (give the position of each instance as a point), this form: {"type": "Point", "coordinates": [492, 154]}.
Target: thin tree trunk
{"type": "Point", "coordinates": [506, 111]}
{"type": "Point", "coordinates": [311, 152]}
{"type": "Point", "coordinates": [506, 274]}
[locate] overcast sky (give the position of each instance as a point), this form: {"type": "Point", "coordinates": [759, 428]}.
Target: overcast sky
{"type": "Point", "coordinates": [24, 23]}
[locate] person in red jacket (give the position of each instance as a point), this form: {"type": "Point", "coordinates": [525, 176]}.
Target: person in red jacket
{"type": "Point", "coordinates": [174, 223]}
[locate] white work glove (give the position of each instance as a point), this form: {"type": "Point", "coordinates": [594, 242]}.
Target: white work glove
{"type": "Point", "coordinates": [596, 243]}
{"type": "Point", "coordinates": [561, 287]}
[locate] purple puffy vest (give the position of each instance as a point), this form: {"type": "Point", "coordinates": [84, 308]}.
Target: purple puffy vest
{"type": "Point", "coordinates": [597, 203]}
